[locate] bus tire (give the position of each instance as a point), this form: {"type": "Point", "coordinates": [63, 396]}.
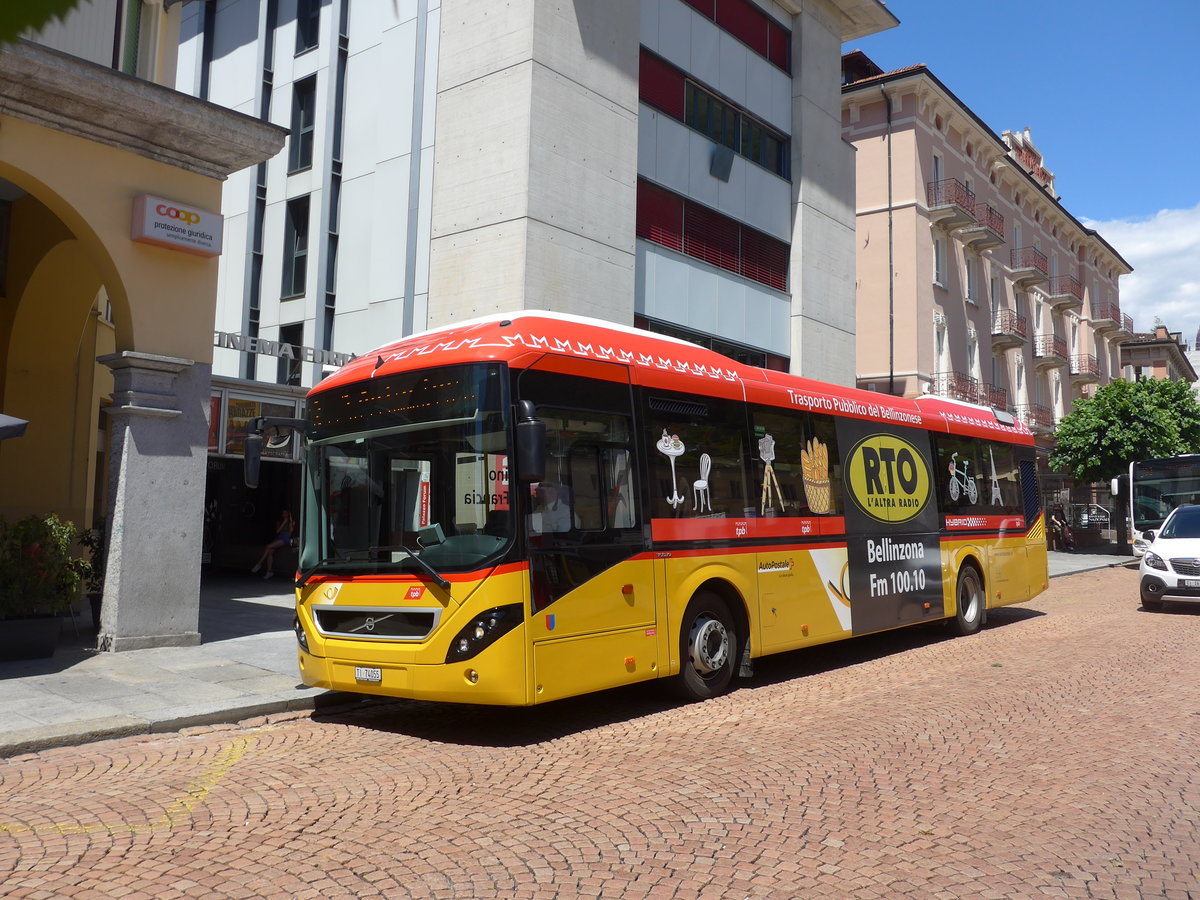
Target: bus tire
{"type": "Point", "coordinates": [708, 648]}
{"type": "Point", "coordinates": [969, 601]}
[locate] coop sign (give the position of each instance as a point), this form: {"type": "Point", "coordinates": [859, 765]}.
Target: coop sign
{"type": "Point", "coordinates": [176, 225]}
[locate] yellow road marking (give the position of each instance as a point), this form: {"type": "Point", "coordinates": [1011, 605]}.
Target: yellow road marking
{"type": "Point", "coordinates": [177, 812]}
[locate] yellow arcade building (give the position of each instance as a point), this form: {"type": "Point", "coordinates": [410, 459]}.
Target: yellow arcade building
{"type": "Point", "coordinates": [110, 232]}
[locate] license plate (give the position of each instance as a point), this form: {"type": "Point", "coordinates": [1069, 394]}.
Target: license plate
{"type": "Point", "coordinates": [369, 674]}
{"type": "Point", "coordinates": [1189, 582]}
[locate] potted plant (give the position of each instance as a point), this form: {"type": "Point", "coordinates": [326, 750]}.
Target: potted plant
{"type": "Point", "coordinates": [93, 541]}
{"type": "Point", "coordinates": [39, 578]}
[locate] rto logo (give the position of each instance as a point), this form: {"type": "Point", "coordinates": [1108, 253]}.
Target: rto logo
{"type": "Point", "coordinates": [888, 478]}
{"type": "Point", "coordinates": [173, 212]}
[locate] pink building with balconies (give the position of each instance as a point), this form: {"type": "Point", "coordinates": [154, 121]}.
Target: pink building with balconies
{"type": "Point", "coordinates": [973, 279]}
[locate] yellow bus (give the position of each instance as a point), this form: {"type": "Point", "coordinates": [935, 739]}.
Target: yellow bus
{"type": "Point", "coordinates": [522, 508]}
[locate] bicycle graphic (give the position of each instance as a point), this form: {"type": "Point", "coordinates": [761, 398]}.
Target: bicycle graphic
{"type": "Point", "coordinates": [960, 481]}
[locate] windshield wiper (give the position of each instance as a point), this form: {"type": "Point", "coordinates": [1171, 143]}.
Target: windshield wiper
{"type": "Point", "coordinates": [429, 570]}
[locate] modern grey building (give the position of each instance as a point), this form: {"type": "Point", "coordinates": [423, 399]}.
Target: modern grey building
{"type": "Point", "coordinates": [676, 164]}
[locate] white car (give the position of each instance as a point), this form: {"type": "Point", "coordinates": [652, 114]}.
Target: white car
{"type": "Point", "coordinates": [1170, 567]}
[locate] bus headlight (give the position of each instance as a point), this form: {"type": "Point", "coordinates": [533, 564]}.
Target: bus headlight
{"type": "Point", "coordinates": [483, 631]}
{"type": "Point", "coordinates": [301, 637]}
{"type": "Point", "coordinates": [1154, 561]}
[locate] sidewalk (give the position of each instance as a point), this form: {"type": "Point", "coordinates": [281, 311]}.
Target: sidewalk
{"type": "Point", "coordinates": [245, 667]}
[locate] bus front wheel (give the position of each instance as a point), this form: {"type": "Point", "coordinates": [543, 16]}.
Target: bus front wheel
{"type": "Point", "coordinates": [708, 648]}
{"type": "Point", "coordinates": [969, 601]}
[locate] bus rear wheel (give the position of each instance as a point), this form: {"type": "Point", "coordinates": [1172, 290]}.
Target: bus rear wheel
{"type": "Point", "coordinates": [969, 601]}
{"type": "Point", "coordinates": [708, 648]}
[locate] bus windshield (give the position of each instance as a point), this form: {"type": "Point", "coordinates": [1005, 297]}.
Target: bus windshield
{"type": "Point", "coordinates": [408, 473]}
{"type": "Point", "coordinates": [1157, 486]}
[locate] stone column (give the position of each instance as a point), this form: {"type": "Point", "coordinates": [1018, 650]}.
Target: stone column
{"type": "Point", "coordinates": [156, 480]}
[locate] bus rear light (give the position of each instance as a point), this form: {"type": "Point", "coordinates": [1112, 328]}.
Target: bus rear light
{"type": "Point", "coordinates": [483, 631]}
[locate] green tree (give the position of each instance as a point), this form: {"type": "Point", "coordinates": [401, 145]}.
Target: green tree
{"type": "Point", "coordinates": [18, 16]}
{"type": "Point", "coordinates": [1124, 421]}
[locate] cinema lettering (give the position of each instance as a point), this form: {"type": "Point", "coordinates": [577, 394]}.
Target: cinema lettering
{"type": "Point", "coordinates": [279, 349]}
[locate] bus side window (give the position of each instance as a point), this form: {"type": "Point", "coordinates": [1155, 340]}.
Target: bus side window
{"type": "Point", "coordinates": [1000, 483]}
{"type": "Point", "coordinates": [696, 456]}
{"type": "Point", "coordinates": [821, 435]}
{"type": "Point", "coordinates": [963, 473]}
{"type": "Point", "coordinates": [617, 467]}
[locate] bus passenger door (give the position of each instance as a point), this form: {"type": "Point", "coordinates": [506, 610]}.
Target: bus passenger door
{"type": "Point", "coordinates": [593, 621]}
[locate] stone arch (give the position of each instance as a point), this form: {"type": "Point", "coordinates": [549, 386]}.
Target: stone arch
{"type": "Point", "coordinates": [42, 218]}
{"type": "Point", "coordinates": [51, 378]}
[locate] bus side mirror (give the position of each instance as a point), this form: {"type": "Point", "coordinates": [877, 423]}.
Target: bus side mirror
{"type": "Point", "coordinates": [252, 457]}
{"type": "Point", "coordinates": [531, 444]}
{"type": "Point", "coordinates": [1119, 487]}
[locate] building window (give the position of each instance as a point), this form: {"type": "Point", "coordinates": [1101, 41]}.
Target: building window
{"type": "Point", "coordinates": [681, 224]}
{"type": "Point", "coordinates": [737, 352]}
{"type": "Point", "coordinates": [295, 248]}
{"type": "Point", "coordinates": [665, 87]}
{"type": "Point", "coordinates": [308, 23]}
{"type": "Point", "coordinates": [972, 266]}
{"type": "Point", "coordinates": [751, 26]}
{"type": "Point", "coordinates": [939, 262]}
{"type": "Point", "coordinates": [289, 368]}
{"type": "Point", "coordinates": [304, 103]}
{"type": "Point", "coordinates": [711, 116]}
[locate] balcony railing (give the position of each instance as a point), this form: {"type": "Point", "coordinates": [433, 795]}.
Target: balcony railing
{"type": "Point", "coordinates": [1085, 367]}
{"type": "Point", "coordinates": [995, 397]}
{"type": "Point", "coordinates": [1106, 315]}
{"type": "Point", "coordinates": [1066, 292]}
{"type": "Point", "coordinates": [1030, 266]}
{"type": "Point", "coordinates": [950, 203]}
{"type": "Point", "coordinates": [1127, 323]}
{"type": "Point", "coordinates": [1009, 321]}
{"type": "Point", "coordinates": [988, 232]}
{"type": "Point", "coordinates": [1035, 416]}
{"type": "Point", "coordinates": [957, 386]}
{"type": "Point", "coordinates": [1050, 348]}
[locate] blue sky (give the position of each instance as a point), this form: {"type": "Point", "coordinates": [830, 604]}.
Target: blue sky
{"type": "Point", "coordinates": [1110, 93]}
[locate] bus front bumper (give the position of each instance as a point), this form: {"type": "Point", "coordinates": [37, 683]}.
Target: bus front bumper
{"type": "Point", "coordinates": [496, 676]}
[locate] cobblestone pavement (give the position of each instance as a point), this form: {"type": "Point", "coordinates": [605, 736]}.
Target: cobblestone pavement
{"type": "Point", "coordinates": [1052, 755]}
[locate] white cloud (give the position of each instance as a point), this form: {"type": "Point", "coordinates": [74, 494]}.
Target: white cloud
{"type": "Point", "coordinates": [1164, 251]}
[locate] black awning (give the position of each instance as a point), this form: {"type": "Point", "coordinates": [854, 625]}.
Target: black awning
{"type": "Point", "coordinates": [11, 427]}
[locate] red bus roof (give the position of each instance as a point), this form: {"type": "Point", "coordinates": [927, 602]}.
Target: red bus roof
{"type": "Point", "coordinates": [563, 342]}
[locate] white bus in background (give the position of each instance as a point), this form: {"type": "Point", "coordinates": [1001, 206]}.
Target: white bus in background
{"type": "Point", "coordinates": [1157, 486]}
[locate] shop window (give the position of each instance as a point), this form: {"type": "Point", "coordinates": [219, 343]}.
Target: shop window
{"type": "Point", "coordinates": [239, 411]}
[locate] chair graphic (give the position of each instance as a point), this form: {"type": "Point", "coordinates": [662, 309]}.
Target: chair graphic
{"type": "Point", "coordinates": [700, 495]}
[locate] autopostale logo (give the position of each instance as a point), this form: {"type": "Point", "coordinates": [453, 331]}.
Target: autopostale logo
{"type": "Point", "coordinates": [888, 478]}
